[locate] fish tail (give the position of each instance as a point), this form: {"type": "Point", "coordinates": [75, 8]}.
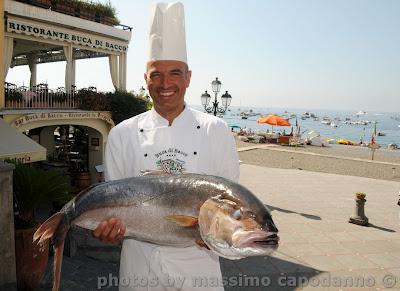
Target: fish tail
{"type": "Point", "coordinates": [56, 227]}
{"type": "Point", "coordinates": [48, 228]}
{"type": "Point", "coordinates": [58, 257]}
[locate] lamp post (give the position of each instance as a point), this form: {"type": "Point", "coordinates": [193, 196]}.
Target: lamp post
{"type": "Point", "coordinates": [225, 99]}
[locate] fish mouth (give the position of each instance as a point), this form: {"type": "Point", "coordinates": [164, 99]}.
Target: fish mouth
{"type": "Point", "coordinates": [255, 238]}
{"type": "Point", "coordinates": [270, 240]}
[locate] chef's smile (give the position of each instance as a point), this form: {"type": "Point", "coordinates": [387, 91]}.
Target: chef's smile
{"type": "Point", "coordinates": [167, 82]}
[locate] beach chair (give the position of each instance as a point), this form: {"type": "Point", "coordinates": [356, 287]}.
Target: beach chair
{"type": "Point", "coordinates": [295, 141]}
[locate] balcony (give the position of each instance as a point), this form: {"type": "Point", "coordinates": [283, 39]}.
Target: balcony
{"type": "Point", "coordinates": [40, 96]}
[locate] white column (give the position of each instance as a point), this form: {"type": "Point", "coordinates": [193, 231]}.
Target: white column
{"type": "Point", "coordinates": [125, 60]}
{"type": "Point", "coordinates": [113, 63]}
{"type": "Point", "coordinates": [68, 67]}
{"type": "Point", "coordinates": [73, 71]}
{"type": "Point", "coordinates": [8, 53]}
{"type": "Point", "coordinates": [122, 71]}
{"type": "Point", "coordinates": [32, 67]}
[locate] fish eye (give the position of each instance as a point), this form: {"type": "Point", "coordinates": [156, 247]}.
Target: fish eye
{"type": "Point", "coordinates": [237, 214]}
{"type": "Point", "coordinates": [248, 214]}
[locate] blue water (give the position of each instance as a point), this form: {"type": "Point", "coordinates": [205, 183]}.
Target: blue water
{"type": "Point", "coordinates": [387, 123]}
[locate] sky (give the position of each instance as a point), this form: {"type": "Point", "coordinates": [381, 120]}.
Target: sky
{"type": "Point", "coordinates": [311, 54]}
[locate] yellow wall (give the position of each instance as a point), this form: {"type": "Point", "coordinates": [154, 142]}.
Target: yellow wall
{"type": "Point", "coordinates": [2, 53]}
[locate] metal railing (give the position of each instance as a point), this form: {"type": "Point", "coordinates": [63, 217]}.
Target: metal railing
{"type": "Point", "coordinates": [39, 96]}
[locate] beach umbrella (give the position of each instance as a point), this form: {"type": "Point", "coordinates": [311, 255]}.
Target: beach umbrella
{"type": "Point", "coordinates": [235, 126]}
{"type": "Point", "coordinates": [274, 120]}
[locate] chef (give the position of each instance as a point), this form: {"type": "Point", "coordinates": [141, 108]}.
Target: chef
{"type": "Point", "coordinates": [174, 139]}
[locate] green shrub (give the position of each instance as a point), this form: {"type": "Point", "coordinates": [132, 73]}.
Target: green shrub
{"type": "Point", "coordinates": [34, 188]}
{"type": "Point", "coordinates": [92, 100]}
{"type": "Point", "coordinates": [125, 105]}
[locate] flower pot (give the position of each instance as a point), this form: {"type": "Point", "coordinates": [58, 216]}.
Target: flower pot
{"type": "Point", "coordinates": [87, 14]}
{"type": "Point", "coordinates": [63, 8]}
{"type": "Point", "coordinates": [107, 20]}
{"type": "Point", "coordinates": [31, 259]}
{"type": "Point", "coordinates": [83, 180]}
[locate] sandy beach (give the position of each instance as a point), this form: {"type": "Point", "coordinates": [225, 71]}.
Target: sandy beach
{"type": "Point", "coordinates": [338, 159]}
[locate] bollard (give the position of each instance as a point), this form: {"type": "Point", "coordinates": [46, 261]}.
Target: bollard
{"type": "Point", "coordinates": [359, 217]}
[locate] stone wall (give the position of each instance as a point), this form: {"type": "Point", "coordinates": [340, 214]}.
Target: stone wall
{"type": "Point", "coordinates": [7, 246]}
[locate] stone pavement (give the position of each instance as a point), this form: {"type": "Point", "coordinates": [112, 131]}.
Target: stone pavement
{"type": "Point", "coordinates": [319, 249]}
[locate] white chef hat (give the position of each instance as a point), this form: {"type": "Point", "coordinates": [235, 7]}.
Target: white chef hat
{"type": "Point", "coordinates": [167, 33]}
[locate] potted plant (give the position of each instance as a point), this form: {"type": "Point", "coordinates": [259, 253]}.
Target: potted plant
{"type": "Point", "coordinates": [99, 12]}
{"type": "Point", "coordinates": [33, 188]}
{"type": "Point", "coordinates": [63, 6]}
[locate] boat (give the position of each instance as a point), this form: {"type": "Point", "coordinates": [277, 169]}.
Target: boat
{"type": "Point", "coordinates": [344, 141]}
{"type": "Point", "coordinates": [381, 134]}
{"type": "Point", "coordinates": [361, 112]}
{"type": "Point", "coordinates": [308, 115]}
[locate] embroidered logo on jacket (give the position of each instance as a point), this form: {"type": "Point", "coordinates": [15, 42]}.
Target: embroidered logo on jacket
{"type": "Point", "coordinates": [171, 161]}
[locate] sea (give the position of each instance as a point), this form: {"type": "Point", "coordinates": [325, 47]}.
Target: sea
{"type": "Point", "coordinates": [355, 126]}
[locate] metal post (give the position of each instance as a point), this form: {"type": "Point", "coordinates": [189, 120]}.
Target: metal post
{"type": "Point", "coordinates": [215, 104]}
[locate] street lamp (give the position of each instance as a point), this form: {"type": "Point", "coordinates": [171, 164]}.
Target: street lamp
{"type": "Point", "coordinates": [225, 99]}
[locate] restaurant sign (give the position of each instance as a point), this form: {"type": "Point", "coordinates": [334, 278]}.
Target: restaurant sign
{"type": "Point", "coordinates": [71, 36]}
{"type": "Point", "coordinates": [61, 116]}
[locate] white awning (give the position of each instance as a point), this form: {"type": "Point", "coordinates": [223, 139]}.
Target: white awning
{"type": "Point", "coordinates": [15, 145]}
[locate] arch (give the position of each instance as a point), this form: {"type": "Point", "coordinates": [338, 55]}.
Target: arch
{"type": "Point", "coordinates": [100, 121]}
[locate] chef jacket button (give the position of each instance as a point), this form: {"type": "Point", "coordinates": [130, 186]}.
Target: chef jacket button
{"type": "Point", "coordinates": [145, 155]}
{"type": "Point", "coordinates": [141, 130]}
{"type": "Point", "coordinates": [195, 153]}
{"type": "Point", "coordinates": [198, 127]}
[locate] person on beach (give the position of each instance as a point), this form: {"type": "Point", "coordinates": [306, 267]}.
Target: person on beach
{"type": "Point", "coordinates": [173, 138]}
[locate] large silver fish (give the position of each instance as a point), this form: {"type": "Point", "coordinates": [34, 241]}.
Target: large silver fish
{"type": "Point", "coordinates": [174, 210]}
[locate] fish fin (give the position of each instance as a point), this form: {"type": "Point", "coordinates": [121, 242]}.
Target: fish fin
{"type": "Point", "coordinates": [201, 243]}
{"type": "Point", "coordinates": [183, 220]}
{"type": "Point", "coordinates": [58, 257]}
{"type": "Point", "coordinates": [153, 173]}
{"type": "Point", "coordinates": [48, 228]}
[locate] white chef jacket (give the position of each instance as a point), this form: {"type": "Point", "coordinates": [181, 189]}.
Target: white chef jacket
{"type": "Point", "coordinates": [194, 143]}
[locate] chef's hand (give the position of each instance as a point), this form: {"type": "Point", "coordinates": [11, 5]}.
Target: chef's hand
{"type": "Point", "coordinates": [110, 230]}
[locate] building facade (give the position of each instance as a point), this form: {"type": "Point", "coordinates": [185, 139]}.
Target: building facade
{"type": "Point", "coordinates": [74, 139]}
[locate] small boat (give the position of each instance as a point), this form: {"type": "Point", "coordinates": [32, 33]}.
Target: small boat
{"type": "Point", "coordinates": [344, 141]}
{"type": "Point", "coordinates": [244, 117]}
{"type": "Point", "coordinates": [361, 112]}
{"type": "Point", "coordinates": [381, 134]}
